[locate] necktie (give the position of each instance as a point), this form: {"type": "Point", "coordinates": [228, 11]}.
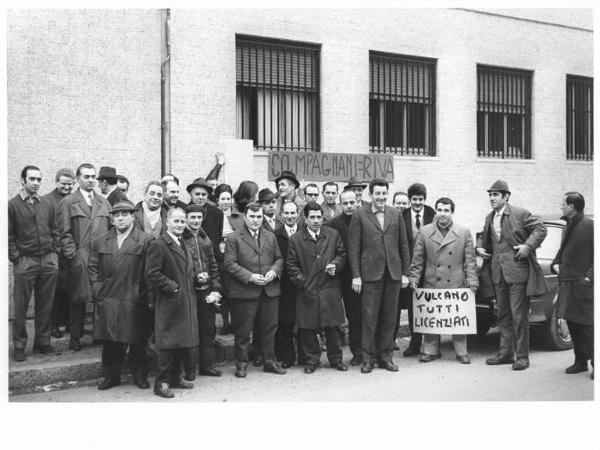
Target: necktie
{"type": "Point", "coordinates": [418, 221]}
{"type": "Point", "coordinates": [88, 199]}
{"type": "Point", "coordinates": [255, 235]}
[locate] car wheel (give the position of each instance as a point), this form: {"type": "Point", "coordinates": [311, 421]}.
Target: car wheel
{"type": "Point", "coordinates": [555, 336]}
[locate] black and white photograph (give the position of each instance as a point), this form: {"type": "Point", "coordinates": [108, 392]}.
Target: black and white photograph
{"type": "Point", "coordinates": [354, 214]}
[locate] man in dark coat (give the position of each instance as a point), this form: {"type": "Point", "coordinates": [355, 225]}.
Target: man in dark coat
{"type": "Point", "coordinates": [351, 298]}
{"type": "Point", "coordinates": [60, 308]}
{"type": "Point", "coordinates": [379, 260]}
{"type": "Point", "coordinates": [82, 216]}
{"type": "Point", "coordinates": [574, 264]}
{"type": "Point", "coordinates": [507, 244]}
{"type": "Point", "coordinates": [254, 261]}
{"type": "Point", "coordinates": [316, 255]}
{"type": "Point", "coordinates": [107, 182]}
{"type": "Point", "coordinates": [207, 286]}
{"type": "Point", "coordinates": [149, 215]}
{"type": "Point", "coordinates": [170, 272]}
{"type": "Point", "coordinates": [418, 215]}
{"type": "Point", "coordinates": [121, 312]}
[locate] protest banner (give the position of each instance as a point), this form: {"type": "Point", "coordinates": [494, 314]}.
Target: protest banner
{"type": "Point", "coordinates": [444, 311]}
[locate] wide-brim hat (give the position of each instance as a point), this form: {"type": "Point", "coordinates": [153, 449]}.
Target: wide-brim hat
{"type": "Point", "coordinates": [199, 182]}
{"type": "Point", "coordinates": [355, 182]}
{"type": "Point", "coordinates": [107, 173]}
{"type": "Point", "coordinates": [265, 195]}
{"type": "Point", "coordinates": [123, 205]}
{"type": "Point", "coordinates": [499, 186]}
{"type": "Point", "coordinates": [286, 174]}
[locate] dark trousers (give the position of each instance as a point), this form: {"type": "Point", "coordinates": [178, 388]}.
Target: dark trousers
{"type": "Point", "coordinates": [243, 313]}
{"type": "Point", "coordinates": [76, 319]}
{"type": "Point", "coordinates": [113, 356]}
{"type": "Point", "coordinates": [583, 341]}
{"type": "Point", "coordinates": [352, 307]}
{"type": "Point", "coordinates": [513, 318]}
{"type": "Point", "coordinates": [60, 309]}
{"type": "Point", "coordinates": [206, 329]}
{"type": "Point", "coordinates": [379, 309]}
{"type": "Point", "coordinates": [168, 364]}
{"type": "Point", "coordinates": [284, 344]}
{"type": "Point", "coordinates": [312, 347]}
{"type": "Point", "coordinates": [406, 301]}
{"type": "Point", "coordinates": [34, 274]}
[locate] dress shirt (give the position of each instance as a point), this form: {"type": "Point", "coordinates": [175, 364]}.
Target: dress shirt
{"type": "Point", "coordinates": [379, 213]}
{"type": "Point", "coordinates": [413, 221]}
{"type": "Point", "coordinates": [498, 222]}
{"type": "Point", "coordinates": [88, 196]}
{"type": "Point", "coordinates": [313, 235]}
{"type": "Point", "coordinates": [271, 221]}
{"type": "Point", "coordinates": [122, 236]}
{"type": "Point", "coordinates": [31, 199]}
{"type": "Point", "coordinates": [175, 238]}
{"type": "Point", "coordinates": [291, 230]}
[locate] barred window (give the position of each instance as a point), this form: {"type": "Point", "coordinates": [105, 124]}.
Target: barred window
{"type": "Point", "coordinates": [503, 112]}
{"type": "Point", "coordinates": [401, 104]}
{"type": "Point", "coordinates": [277, 93]}
{"type": "Point", "coordinates": [580, 118]}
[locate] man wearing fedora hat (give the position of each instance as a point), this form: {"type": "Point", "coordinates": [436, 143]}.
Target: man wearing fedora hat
{"type": "Point", "coordinates": [286, 184]}
{"type": "Point", "coordinates": [107, 182]}
{"type": "Point", "coordinates": [507, 244]}
{"type": "Point", "coordinates": [121, 313]}
{"type": "Point", "coordinates": [267, 199]}
{"type": "Point", "coordinates": [357, 186]}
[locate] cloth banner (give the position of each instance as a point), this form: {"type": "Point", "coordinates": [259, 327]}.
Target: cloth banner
{"type": "Point", "coordinates": [444, 311]}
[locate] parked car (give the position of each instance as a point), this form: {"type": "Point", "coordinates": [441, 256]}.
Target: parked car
{"type": "Point", "coordinates": [542, 311]}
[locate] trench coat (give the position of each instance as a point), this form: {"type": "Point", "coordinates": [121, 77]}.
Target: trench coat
{"type": "Point", "coordinates": [575, 258]}
{"type": "Point", "coordinates": [318, 296]}
{"type": "Point", "coordinates": [170, 267]}
{"type": "Point", "coordinates": [444, 262]}
{"type": "Point", "coordinates": [287, 299]}
{"type": "Point", "coordinates": [118, 287]}
{"type": "Point", "coordinates": [77, 225]}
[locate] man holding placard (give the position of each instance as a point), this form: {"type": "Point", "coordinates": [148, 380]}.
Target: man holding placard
{"type": "Point", "coordinates": [443, 258]}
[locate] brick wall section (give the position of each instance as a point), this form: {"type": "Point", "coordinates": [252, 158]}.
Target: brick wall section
{"type": "Point", "coordinates": [84, 86]}
{"type": "Point", "coordinates": [203, 92]}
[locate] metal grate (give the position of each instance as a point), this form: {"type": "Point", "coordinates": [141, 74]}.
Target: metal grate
{"type": "Point", "coordinates": [401, 104]}
{"type": "Point", "coordinates": [277, 93]}
{"type": "Point", "coordinates": [503, 112]}
{"type": "Point", "coordinates": [580, 118]}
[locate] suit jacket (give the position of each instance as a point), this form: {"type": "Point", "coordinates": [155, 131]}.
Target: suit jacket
{"type": "Point", "coordinates": [243, 258]}
{"type": "Point", "coordinates": [170, 268]}
{"type": "Point", "coordinates": [518, 226]}
{"type": "Point", "coordinates": [576, 262]}
{"type": "Point", "coordinates": [287, 299]}
{"type": "Point", "coordinates": [212, 224]}
{"type": "Point", "coordinates": [78, 224]}
{"type": "Point", "coordinates": [371, 249]}
{"type": "Point", "coordinates": [428, 215]}
{"type": "Point", "coordinates": [444, 262]}
{"type": "Point", "coordinates": [268, 227]}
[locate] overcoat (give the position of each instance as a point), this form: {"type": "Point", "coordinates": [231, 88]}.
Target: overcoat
{"type": "Point", "coordinates": [63, 264]}
{"type": "Point", "coordinates": [204, 257]}
{"type": "Point", "coordinates": [121, 312]}
{"type": "Point", "coordinates": [318, 296]}
{"type": "Point", "coordinates": [518, 226]}
{"type": "Point", "coordinates": [444, 262]}
{"type": "Point", "coordinates": [287, 299]}
{"type": "Point", "coordinates": [169, 267]}
{"type": "Point", "coordinates": [77, 225]}
{"type": "Point", "coordinates": [576, 262]}
{"type": "Point", "coordinates": [140, 218]}
{"type": "Point", "coordinates": [244, 257]}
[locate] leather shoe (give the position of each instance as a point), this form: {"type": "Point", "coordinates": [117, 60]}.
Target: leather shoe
{"type": "Point", "coordinates": [366, 367]}
{"type": "Point", "coordinates": [274, 368]}
{"type": "Point", "coordinates": [356, 360]}
{"type": "Point", "coordinates": [163, 391]}
{"type": "Point", "coordinates": [310, 368]}
{"type": "Point", "coordinates": [140, 380]}
{"type": "Point", "coordinates": [74, 344]}
{"type": "Point", "coordinates": [182, 384]}
{"type": "Point", "coordinates": [44, 349]}
{"type": "Point", "coordinates": [579, 366]}
{"type": "Point", "coordinates": [388, 365]}
{"type": "Point", "coordinates": [500, 359]}
{"type": "Point", "coordinates": [189, 376]}
{"type": "Point", "coordinates": [339, 365]}
{"type": "Point", "coordinates": [411, 352]}
{"type": "Point", "coordinates": [426, 357]}
{"type": "Point", "coordinates": [463, 359]}
{"type": "Point", "coordinates": [56, 333]}
{"type": "Point", "coordinates": [287, 365]}
{"type": "Point", "coordinates": [211, 372]}
{"type": "Point", "coordinates": [19, 354]}
{"type": "Point", "coordinates": [110, 380]}
{"type": "Point", "coordinates": [258, 361]}
{"type": "Point", "coordinates": [240, 372]}
{"type": "Point", "coordinates": [520, 364]}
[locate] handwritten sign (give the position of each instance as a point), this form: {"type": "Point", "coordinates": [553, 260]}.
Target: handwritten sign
{"type": "Point", "coordinates": [315, 166]}
{"type": "Point", "coordinates": [444, 311]}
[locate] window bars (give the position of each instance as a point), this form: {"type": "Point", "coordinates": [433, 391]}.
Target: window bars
{"type": "Point", "coordinates": [580, 118]}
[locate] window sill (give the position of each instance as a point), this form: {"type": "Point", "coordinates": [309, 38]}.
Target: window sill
{"type": "Point", "coordinates": [507, 160]}
{"type": "Point", "coordinates": [576, 162]}
{"type": "Point", "coordinates": [415, 158]}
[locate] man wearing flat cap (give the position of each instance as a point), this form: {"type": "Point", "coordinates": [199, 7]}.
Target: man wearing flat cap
{"type": "Point", "coordinates": [121, 313]}
{"type": "Point", "coordinates": [507, 244]}
{"type": "Point", "coordinates": [107, 182]}
{"type": "Point", "coordinates": [286, 184]}
{"type": "Point", "coordinates": [267, 199]}
{"type": "Point", "coordinates": [357, 186]}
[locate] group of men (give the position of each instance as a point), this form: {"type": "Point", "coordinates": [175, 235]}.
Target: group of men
{"type": "Point", "coordinates": [295, 270]}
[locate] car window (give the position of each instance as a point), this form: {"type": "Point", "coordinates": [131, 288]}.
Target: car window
{"type": "Point", "coordinates": [551, 244]}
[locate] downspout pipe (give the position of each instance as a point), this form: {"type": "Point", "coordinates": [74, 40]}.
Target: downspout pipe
{"type": "Point", "coordinates": [165, 92]}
